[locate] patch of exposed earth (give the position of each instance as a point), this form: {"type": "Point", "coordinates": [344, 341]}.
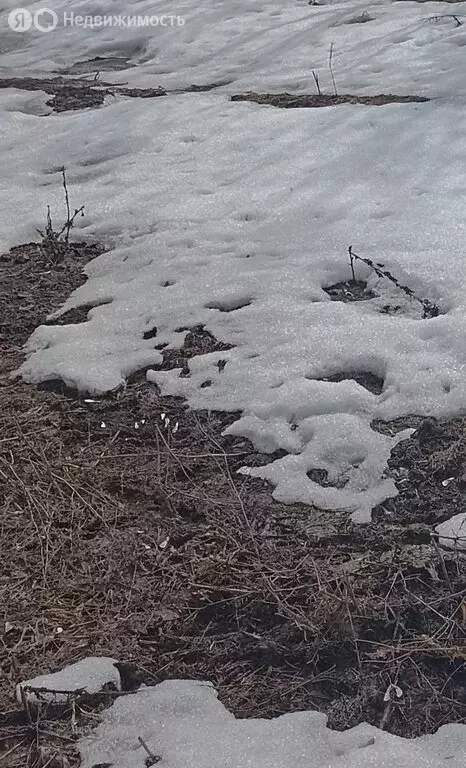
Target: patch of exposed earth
{"type": "Point", "coordinates": [74, 93]}
{"type": "Point", "coordinates": [77, 93]}
{"type": "Point", "coordinates": [315, 101]}
{"type": "Point", "coordinates": [130, 534]}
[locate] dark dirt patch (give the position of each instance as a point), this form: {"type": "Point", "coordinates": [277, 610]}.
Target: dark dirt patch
{"type": "Point", "coordinates": [321, 477]}
{"type": "Point", "coordinates": [72, 317]}
{"type": "Point", "coordinates": [349, 290]}
{"type": "Point", "coordinates": [67, 95]}
{"type": "Point", "coordinates": [390, 309]}
{"type": "Point", "coordinates": [138, 539]}
{"type": "Point", "coordinates": [69, 99]}
{"type": "Point", "coordinates": [151, 334]}
{"type": "Point", "coordinates": [79, 93]}
{"type": "Point", "coordinates": [314, 101]}
{"type": "Point", "coordinates": [76, 94]}
{"type": "Point", "coordinates": [365, 379]}
{"type": "Point", "coordinates": [141, 93]}
{"type": "Point", "coordinates": [198, 341]}
{"type": "Point", "coordinates": [434, 455]}
{"type": "Point", "coordinates": [32, 284]}
{"type": "Point", "coordinates": [397, 425]}
{"type": "Point", "coordinates": [75, 315]}
{"type": "Point", "coordinates": [202, 88]}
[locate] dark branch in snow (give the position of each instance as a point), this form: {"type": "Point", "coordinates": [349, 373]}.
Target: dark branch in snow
{"type": "Point", "coordinates": [430, 309]}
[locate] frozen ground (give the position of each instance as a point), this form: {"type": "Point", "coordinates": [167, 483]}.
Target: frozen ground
{"type": "Point", "coordinates": [236, 217]}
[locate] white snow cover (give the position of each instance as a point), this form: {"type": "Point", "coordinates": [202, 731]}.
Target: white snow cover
{"type": "Point", "coordinates": [261, 44]}
{"type": "Point", "coordinates": [91, 673]}
{"type": "Point", "coordinates": [452, 532]}
{"type": "Point", "coordinates": [183, 723]}
{"type": "Point", "coordinates": [207, 205]}
{"type": "Point", "coordinates": [237, 216]}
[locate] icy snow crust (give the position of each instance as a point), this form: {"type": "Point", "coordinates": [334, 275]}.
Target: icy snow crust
{"type": "Point", "coordinates": [183, 723]}
{"type": "Point", "coordinates": [208, 205]}
{"type": "Point", "coordinates": [90, 674]}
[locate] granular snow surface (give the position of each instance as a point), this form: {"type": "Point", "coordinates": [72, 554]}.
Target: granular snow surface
{"type": "Point", "coordinates": [90, 675]}
{"type": "Point", "coordinates": [184, 724]}
{"type": "Point", "coordinates": [237, 216]}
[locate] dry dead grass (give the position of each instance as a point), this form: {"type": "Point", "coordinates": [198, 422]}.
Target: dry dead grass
{"type": "Point", "coordinates": [123, 536]}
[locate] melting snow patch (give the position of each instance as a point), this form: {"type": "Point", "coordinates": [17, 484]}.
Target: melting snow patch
{"type": "Point", "coordinates": [341, 445]}
{"type": "Point", "coordinates": [90, 674]}
{"type": "Point", "coordinates": [237, 218]}
{"type": "Point", "coordinates": [184, 724]}
{"type": "Point", "coordinates": [452, 533]}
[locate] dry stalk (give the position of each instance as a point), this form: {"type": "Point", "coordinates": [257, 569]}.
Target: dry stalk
{"type": "Point", "coordinates": [330, 60]}
{"type": "Point", "coordinates": [430, 309]}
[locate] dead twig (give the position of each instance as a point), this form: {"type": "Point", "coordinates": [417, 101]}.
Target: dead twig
{"type": "Point", "coordinates": [430, 309]}
{"type": "Point", "coordinates": [151, 759]}
{"type": "Point", "coordinates": [330, 59]}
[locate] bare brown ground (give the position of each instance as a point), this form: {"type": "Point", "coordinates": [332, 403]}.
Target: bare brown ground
{"type": "Point", "coordinates": [318, 100]}
{"type": "Point", "coordinates": [76, 94]}
{"type": "Point", "coordinates": [124, 535]}
{"type": "Point", "coordinates": [81, 93]}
